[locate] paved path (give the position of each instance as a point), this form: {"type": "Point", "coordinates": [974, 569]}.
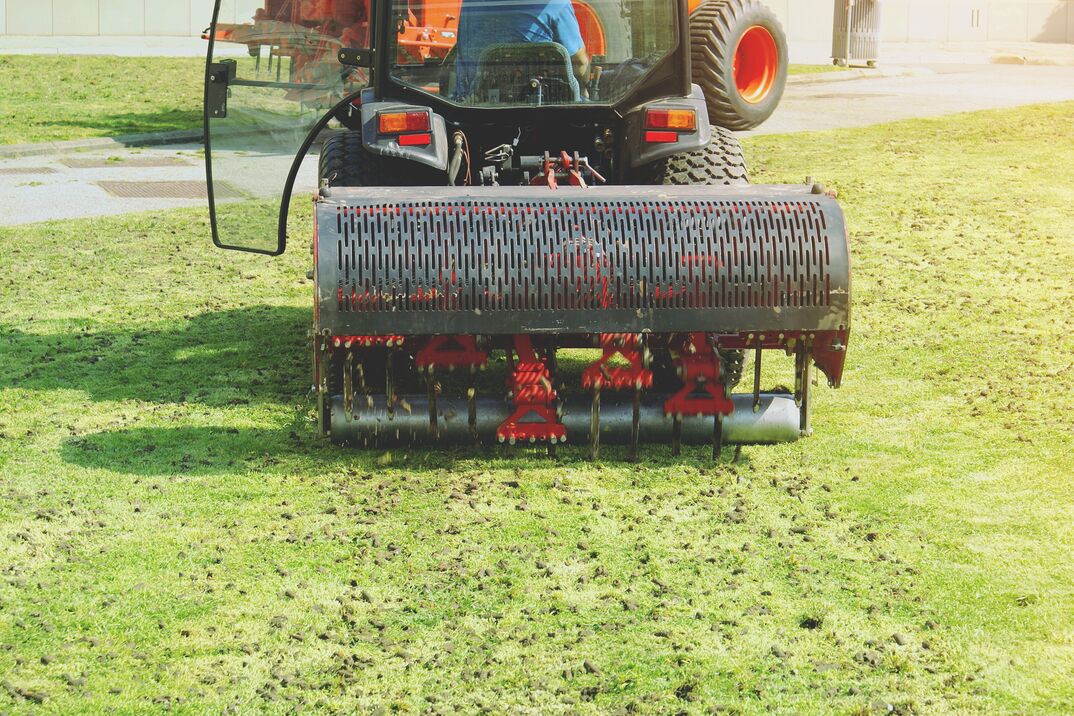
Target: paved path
{"type": "Point", "coordinates": [38, 188]}
{"type": "Point", "coordinates": [112, 181]}
{"type": "Point", "coordinates": [925, 92]}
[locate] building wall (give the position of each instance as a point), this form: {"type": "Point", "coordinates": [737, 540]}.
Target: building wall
{"type": "Point", "coordinates": [117, 17]}
{"type": "Point", "coordinates": [805, 20]}
{"type": "Point", "coordinates": [940, 20]}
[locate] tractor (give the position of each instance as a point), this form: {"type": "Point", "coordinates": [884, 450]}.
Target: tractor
{"type": "Point", "coordinates": [523, 181]}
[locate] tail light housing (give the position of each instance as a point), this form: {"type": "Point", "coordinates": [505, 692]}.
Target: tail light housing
{"type": "Point", "coordinates": [663, 126]}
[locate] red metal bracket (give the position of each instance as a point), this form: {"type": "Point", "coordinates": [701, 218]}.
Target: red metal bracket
{"type": "Point", "coordinates": [450, 352]}
{"type": "Point", "coordinates": [702, 392]}
{"type": "Point", "coordinates": [530, 386]}
{"type": "Point", "coordinates": [367, 341]}
{"type": "Point", "coordinates": [565, 167]}
{"type": "Point", "coordinates": [600, 375]}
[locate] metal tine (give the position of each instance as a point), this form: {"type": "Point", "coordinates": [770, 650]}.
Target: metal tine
{"type": "Point", "coordinates": [799, 371]}
{"type": "Point", "coordinates": [717, 437]}
{"type": "Point", "coordinates": [389, 391]}
{"type": "Point", "coordinates": [635, 427]}
{"type": "Point", "coordinates": [676, 435]}
{"type": "Point", "coordinates": [757, 379]}
{"type": "Point", "coordinates": [434, 427]}
{"type": "Point", "coordinates": [553, 376]}
{"type": "Point", "coordinates": [807, 395]}
{"type": "Point", "coordinates": [594, 425]}
{"type": "Point", "coordinates": [348, 386]}
{"type": "Point", "coordinates": [471, 394]}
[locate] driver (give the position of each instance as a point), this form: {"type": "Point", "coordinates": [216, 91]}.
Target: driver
{"type": "Point", "coordinates": [483, 23]}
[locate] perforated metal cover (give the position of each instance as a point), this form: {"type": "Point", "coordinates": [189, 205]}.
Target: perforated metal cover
{"type": "Point", "coordinates": [615, 259]}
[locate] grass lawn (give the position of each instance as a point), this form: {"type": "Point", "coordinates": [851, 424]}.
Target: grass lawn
{"type": "Point", "coordinates": [812, 69]}
{"type": "Point", "coordinates": [173, 535]}
{"type": "Point", "coordinates": [88, 96]}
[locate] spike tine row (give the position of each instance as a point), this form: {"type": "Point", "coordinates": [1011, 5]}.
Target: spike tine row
{"type": "Point", "coordinates": [531, 385]}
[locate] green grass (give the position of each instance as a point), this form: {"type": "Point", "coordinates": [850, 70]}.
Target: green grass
{"type": "Point", "coordinates": [812, 69]}
{"type": "Point", "coordinates": [172, 534]}
{"type": "Point", "coordinates": [55, 98]}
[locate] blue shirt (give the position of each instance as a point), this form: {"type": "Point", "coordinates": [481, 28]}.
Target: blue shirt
{"type": "Point", "coordinates": [483, 23]}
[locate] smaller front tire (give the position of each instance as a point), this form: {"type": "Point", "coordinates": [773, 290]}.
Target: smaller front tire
{"type": "Point", "coordinates": [344, 161]}
{"type": "Point", "coordinates": [719, 163]}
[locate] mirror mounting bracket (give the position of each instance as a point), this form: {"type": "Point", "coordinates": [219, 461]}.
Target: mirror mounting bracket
{"type": "Point", "coordinates": [356, 57]}
{"type": "Point", "coordinates": [221, 74]}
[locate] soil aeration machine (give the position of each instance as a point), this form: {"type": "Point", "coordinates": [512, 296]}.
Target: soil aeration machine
{"type": "Point", "coordinates": [504, 181]}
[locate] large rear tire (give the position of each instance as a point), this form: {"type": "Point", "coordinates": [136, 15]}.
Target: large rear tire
{"type": "Point", "coordinates": [738, 53]}
{"type": "Point", "coordinates": [344, 161]}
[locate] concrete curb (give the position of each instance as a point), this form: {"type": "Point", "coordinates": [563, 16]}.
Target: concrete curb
{"type": "Point", "coordinates": [817, 78]}
{"type": "Point", "coordinates": [82, 145]}
{"type": "Point", "coordinates": [1014, 59]}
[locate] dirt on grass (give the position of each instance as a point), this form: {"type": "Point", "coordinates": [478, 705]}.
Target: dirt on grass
{"type": "Point", "coordinates": [174, 536]}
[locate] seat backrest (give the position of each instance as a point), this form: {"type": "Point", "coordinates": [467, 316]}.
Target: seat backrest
{"type": "Point", "coordinates": [506, 73]}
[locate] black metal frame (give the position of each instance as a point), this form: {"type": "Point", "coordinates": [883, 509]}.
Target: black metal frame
{"type": "Point", "coordinates": [673, 71]}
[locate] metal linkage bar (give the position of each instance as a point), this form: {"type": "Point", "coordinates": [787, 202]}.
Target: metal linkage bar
{"type": "Point", "coordinates": [777, 420]}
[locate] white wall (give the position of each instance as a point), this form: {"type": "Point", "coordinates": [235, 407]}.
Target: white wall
{"type": "Point", "coordinates": [805, 20]}
{"type": "Point", "coordinates": [117, 17]}
{"type": "Point", "coordinates": [969, 20]}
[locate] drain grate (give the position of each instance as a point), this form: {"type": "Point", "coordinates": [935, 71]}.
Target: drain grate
{"type": "Point", "coordinates": [167, 190]}
{"type": "Point", "coordinates": [131, 162]}
{"type": "Point", "coordinates": [25, 171]}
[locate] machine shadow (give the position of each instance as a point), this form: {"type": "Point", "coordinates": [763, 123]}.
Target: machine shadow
{"type": "Point", "coordinates": [191, 451]}
{"type": "Point", "coordinates": [242, 356]}
{"type": "Point", "coordinates": [228, 359]}
{"type": "Point", "coordinates": [136, 123]}
{"type": "Point", "coordinates": [219, 449]}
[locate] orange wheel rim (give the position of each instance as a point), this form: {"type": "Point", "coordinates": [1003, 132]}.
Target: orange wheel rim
{"type": "Point", "coordinates": [596, 42]}
{"type": "Point", "coordinates": [756, 64]}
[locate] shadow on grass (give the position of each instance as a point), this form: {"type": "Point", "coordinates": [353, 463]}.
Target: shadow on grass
{"type": "Point", "coordinates": [240, 358]}
{"type": "Point", "coordinates": [234, 357]}
{"type": "Point", "coordinates": [214, 449]}
{"type": "Point", "coordinates": [133, 123]}
{"type": "Point", "coordinates": [202, 450]}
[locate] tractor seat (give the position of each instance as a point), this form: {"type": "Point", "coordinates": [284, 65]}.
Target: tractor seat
{"type": "Point", "coordinates": [506, 74]}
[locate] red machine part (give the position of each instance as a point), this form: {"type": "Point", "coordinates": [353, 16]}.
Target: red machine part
{"type": "Point", "coordinates": [827, 348]}
{"type": "Point", "coordinates": [367, 341]}
{"type": "Point", "coordinates": [702, 392]}
{"type": "Point", "coordinates": [530, 386]}
{"type": "Point", "coordinates": [602, 374]}
{"type": "Point", "coordinates": [565, 168]}
{"type": "Point", "coordinates": [450, 352]}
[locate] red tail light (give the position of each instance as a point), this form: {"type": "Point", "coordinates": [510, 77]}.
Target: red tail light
{"type": "Point", "coordinates": [415, 140]}
{"type": "Point", "coordinates": [661, 137]}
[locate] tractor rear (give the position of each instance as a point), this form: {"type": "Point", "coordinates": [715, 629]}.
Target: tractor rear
{"type": "Point", "coordinates": [512, 246]}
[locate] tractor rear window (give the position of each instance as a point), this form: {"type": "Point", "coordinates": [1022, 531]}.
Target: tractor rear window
{"type": "Point", "coordinates": [496, 53]}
